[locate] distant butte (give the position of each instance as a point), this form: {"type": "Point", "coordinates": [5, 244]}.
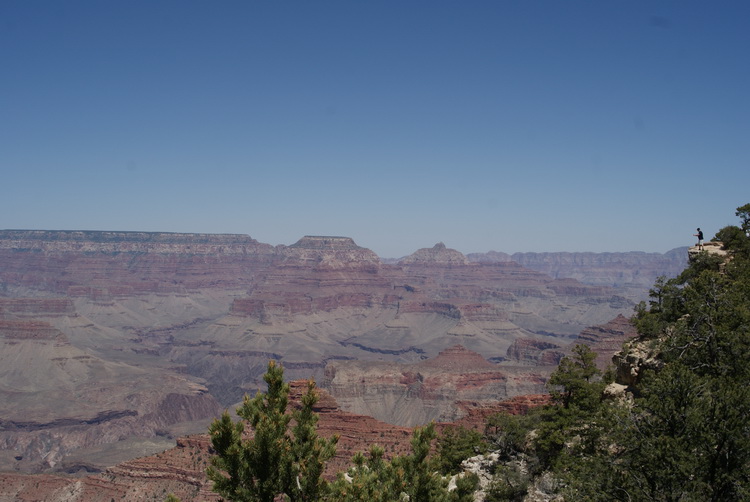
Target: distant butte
{"type": "Point", "coordinates": [436, 254]}
{"type": "Point", "coordinates": [325, 242]}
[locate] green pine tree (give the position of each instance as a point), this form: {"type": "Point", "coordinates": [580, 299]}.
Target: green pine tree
{"type": "Point", "coordinates": [275, 461]}
{"type": "Point", "coordinates": [409, 477]}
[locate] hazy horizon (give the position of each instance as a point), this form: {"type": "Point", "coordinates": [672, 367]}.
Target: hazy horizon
{"type": "Point", "coordinates": [465, 252]}
{"type": "Point", "coordinates": [508, 126]}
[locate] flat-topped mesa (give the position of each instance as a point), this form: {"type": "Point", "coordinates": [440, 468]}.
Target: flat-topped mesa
{"type": "Point", "coordinates": [329, 252]}
{"type": "Point", "coordinates": [123, 236]}
{"type": "Point", "coordinates": [325, 242]}
{"type": "Point", "coordinates": [107, 264]}
{"type": "Point", "coordinates": [114, 242]}
{"type": "Point", "coordinates": [438, 254]}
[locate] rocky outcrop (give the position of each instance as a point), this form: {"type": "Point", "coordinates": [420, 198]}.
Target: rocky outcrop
{"type": "Point", "coordinates": [608, 339]}
{"type": "Point", "coordinates": [535, 352]}
{"type": "Point", "coordinates": [715, 248]}
{"type": "Point", "coordinates": [476, 413]}
{"type": "Point", "coordinates": [328, 252]}
{"type": "Point", "coordinates": [412, 394]}
{"type": "Point", "coordinates": [636, 356]}
{"type": "Point", "coordinates": [316, 274]}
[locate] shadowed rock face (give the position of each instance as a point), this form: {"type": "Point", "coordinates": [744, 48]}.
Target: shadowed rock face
{"type": "Point", "coordinates": [107, 335]}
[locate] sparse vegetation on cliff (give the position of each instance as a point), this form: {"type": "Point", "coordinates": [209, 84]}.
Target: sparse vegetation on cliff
{"type": "Point", "coordinates": [682, 435]}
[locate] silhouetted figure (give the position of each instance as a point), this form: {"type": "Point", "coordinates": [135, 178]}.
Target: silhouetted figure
{"type": "Point", "coordinates": [699, 235]}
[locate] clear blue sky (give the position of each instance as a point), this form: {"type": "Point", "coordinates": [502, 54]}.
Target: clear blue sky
{"type": "Point", "coordinates": [487, 125]}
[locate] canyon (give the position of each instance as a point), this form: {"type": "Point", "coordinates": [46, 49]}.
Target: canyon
{"type": "Point", "coordinates": [116, 343]}
{"type": "Point", "coordinates": [180, 470]}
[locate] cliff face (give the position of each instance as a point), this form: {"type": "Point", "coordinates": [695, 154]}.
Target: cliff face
{"type": "Point", "coordinates": [330, 300]}
{"type": "Point", "coordinates": [607, 340]}
{"type": "Point", "coordinates": [104, 264]}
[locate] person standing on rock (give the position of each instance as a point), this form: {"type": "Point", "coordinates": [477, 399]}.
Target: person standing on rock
{"type": "Point", "coordinates": [699, 235]}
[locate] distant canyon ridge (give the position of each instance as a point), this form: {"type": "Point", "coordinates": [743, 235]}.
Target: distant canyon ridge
{"type": "Point", "coordinates": [113, 343]}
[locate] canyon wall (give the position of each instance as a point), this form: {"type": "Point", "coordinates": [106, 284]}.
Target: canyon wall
{"type": "Point", "coordinates": [632, 273]}
{"type": "Point", "coordinates": [112, 336]}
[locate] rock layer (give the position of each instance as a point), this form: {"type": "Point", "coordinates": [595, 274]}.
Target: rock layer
{"type": "Point", "coordinates": [632, 273]}
{"type": "Point", "coordinates": [110, 334]}
{"type": "Point", "coordinates": [414, 394]}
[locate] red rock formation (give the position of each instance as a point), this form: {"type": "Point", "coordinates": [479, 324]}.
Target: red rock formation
{"type": "Point", "coordinates": [29, 330]}
{"type": "Point", "coordinates": [126, 263]}
{"type": "Point", "coordinates": [36, 307]}
{"type": "Point", "coordinates": [411, 394]}
{"type": "Point", "coordinates": [477, 413]}
{"type": "Point", "coordinates": [607, 339]}
{"type": "Point", "coordinates": [458, 359]}
{"type": "Point", "coordinates": [181, 470]}
{"type": "Point", "coordinates": [536, 352]}
{"type": "Point", "coordinates": [437, 254]}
